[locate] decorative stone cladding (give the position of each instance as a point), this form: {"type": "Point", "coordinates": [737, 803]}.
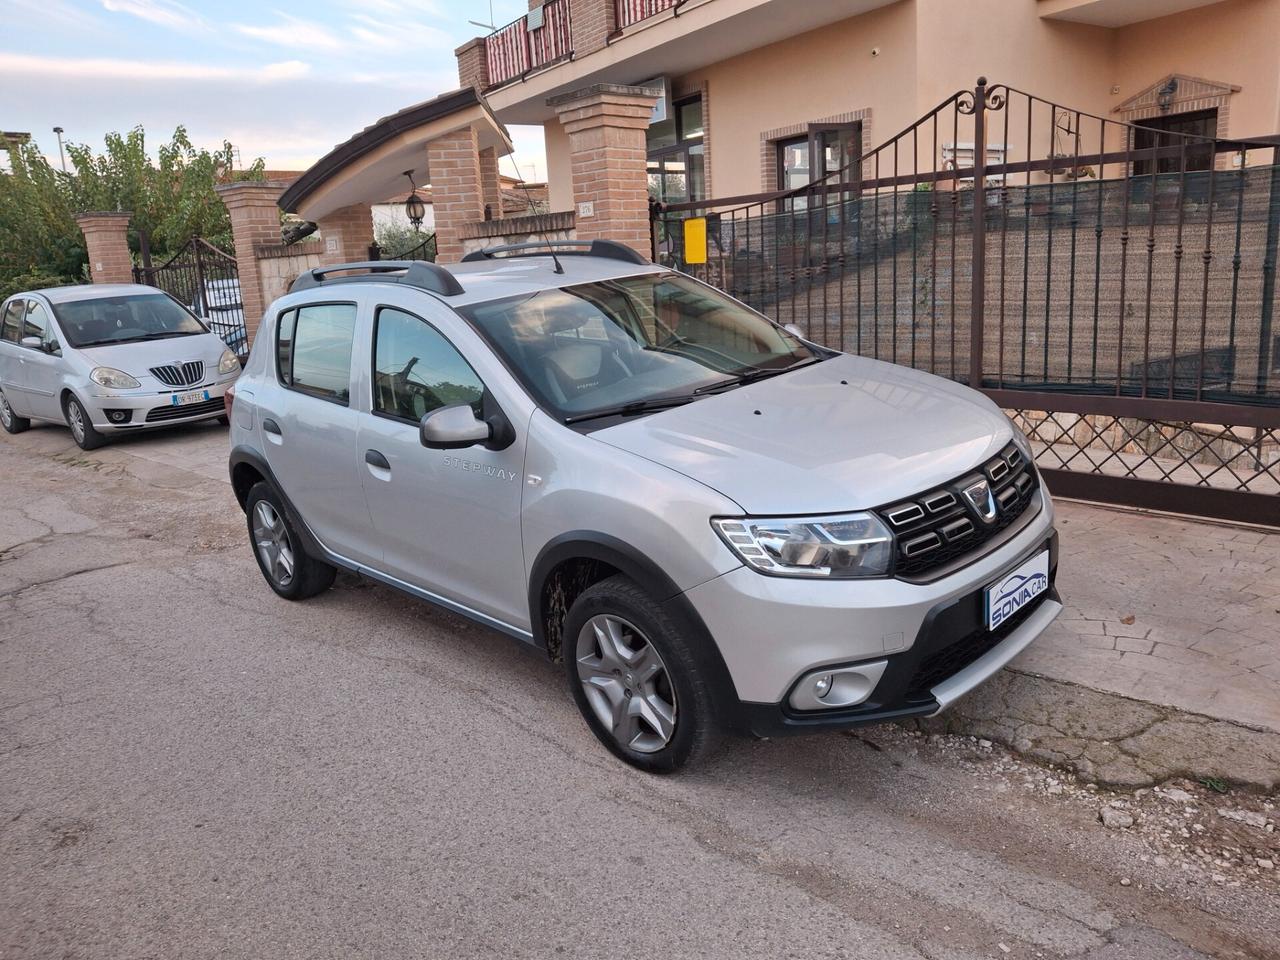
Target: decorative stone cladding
{"type": "Point", "coordinates": [538, 228]}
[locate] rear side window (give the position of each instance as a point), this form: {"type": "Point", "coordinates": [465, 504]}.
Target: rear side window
{"type": "Point", "coordinates": [11, 326]}
{"type": "Point", "coordinates": [313, 350]}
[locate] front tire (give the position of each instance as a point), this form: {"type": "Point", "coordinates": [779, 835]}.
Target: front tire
{"type": "Point", "coordinates": [11, 422]}
{"type": "Point", "coordinates": [636, 679]}
{"type": "Point", "coordinates": [285, 565]}
{"type": "Point", "coordinates": [82, 429]}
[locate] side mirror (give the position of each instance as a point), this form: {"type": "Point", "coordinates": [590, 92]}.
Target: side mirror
{"type": "Point", "coordinates": [452, 428]}
{"type": "Point", "coordinates": [792, 329]}
{"type": "Point", "coordinates": [35, 343]}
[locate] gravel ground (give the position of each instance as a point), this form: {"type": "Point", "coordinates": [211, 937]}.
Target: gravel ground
{"type": "Point", "coordinates": [192, 767]}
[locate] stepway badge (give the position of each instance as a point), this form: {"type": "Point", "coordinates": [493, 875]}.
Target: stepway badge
{"type": "Point", "coordinates": [1016, 589]}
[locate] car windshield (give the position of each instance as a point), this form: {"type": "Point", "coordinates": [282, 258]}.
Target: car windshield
{"type": "Point", "coordinates": [594, 347]}
{"type": "Point", "coordinates": [133, 316]}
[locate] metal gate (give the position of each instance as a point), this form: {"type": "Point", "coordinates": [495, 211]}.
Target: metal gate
{"type": "Point", "coordinates": [206, 281]}
{"type": "Point", "coordinates": [1112, 288]}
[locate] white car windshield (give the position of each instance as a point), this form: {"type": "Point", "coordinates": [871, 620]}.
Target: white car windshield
{"type": "Point", "coordinates": [593, 348]}
{"type": "Point", "coordinates": [135, 316]}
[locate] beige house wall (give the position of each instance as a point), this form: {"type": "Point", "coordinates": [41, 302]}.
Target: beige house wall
{"type": "Point", "coordinates": [559, 173]}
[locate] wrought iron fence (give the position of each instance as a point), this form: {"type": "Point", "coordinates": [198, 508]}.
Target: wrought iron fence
{"type": "Point", "coordinates": [1039, 253]}
{"type": "Point", "coordinates": [207, 282]}
{"type": "Point", "coordinates": [424, 249]}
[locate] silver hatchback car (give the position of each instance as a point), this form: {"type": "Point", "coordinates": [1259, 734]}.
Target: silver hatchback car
{"type": "Point", "coordinates": [108, 358]}
{"type": "Point", "coordinates": [714, 524]}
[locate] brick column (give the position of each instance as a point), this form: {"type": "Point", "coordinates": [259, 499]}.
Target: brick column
{"type": "Point", "coordinates": [453, 163]}
{"type": "Point", "coordinates": [473, 64]}
{"type": "Point", "coordinates": [490, 185]}
{"type": "Point", "coordinates": [255, 219]}
{"type": "Point", "coordinates": [106, 235]}
{"type": "Point", "coordinates": [606, 124]}
{"type": "Point", "coordinates": [347, 234]}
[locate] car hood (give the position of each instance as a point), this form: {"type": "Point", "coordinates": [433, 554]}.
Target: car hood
{"type": "Point", "coordinates": [136, 359]}
{"type": "Point", "coordinates": [844, 434]}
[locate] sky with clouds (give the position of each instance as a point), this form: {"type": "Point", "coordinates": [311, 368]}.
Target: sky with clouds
{"type": "Point", "coordinates": [282, 81]}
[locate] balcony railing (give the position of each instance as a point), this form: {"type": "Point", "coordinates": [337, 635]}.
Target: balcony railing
{"type": "Point", "coordinates": [518, 48]}
{"type": "Point", "coordinates": [633, 11]}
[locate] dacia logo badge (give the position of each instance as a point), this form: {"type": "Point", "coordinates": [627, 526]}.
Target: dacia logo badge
{"type": "Point", "coordinates": [979, 496]}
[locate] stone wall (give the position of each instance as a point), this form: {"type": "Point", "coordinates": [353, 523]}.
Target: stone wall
{"type": "Point", "coordinates": [279, 265]}
{"type": "Point", "coordinates": [540, 228]}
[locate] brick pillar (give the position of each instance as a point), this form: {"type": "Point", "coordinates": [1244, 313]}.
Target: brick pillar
{"type": "Point", "coordinates": [453, 163]}
{"type": "Point", "coordinates": [106, 235]}
{"type": "Point", "coordinates": [473, 64]}
{"type": "Point", "coordinates": [593, 22]}
{"type": "Point", "coordinates": [347, 234]}
{"type": "Point", "coordinates": [606, 124]}
{"type": "Point", "coordinates": [490, 185]}
{"type": "Point", "coordinates": [255, 219]}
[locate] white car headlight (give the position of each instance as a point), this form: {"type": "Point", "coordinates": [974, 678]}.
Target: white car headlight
{"type": "Point", "coordinates": [112, 378]}
{"type": "Point", "coordinates": [228, 361]}
{"type": "Point", "coordinates": [837, 547]}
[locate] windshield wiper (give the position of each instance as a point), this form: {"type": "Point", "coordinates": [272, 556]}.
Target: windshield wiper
{"type": "Point", "coordinates": [757, 373]}
{"type": "Point", "coordinates": [634, 408]}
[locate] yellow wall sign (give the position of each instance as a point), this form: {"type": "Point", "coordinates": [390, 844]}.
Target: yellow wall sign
{"type": "Point", "coordinates": [695, 240]}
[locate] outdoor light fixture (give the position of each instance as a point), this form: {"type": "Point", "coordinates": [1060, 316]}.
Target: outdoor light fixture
{"type": "Point", "coordinates": [414, 208]}
{"type": "Point", "coordinates": [1164, 96]}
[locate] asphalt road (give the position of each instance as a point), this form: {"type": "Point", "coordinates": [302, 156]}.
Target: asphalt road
{"type": "Point", "coordinates": [192, 767]}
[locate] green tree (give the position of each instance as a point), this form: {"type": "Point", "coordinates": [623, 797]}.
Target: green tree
{"type": "Point", "coordinates": [38, 232]}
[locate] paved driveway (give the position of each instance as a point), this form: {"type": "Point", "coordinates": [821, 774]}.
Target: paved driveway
{"type": "Point", "coordinates": [191, 767]}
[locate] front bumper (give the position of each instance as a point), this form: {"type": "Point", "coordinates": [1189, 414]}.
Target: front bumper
{"type": "Point", "coordinates": [772, 631]}
{"type": "Point", "coordinates": [147, 408]}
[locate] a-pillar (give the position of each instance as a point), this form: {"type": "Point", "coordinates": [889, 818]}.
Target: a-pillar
{"type": "Point", "coordinates": [106, 236]}
{"type": "Point", "coordinates": [255, 219]}
{"type": "Point", "coordinates": [606, 124]}
{"type": "Point", "coordinates": [347, 234]}
{"type": "Point", "coordinates": [453, 162]}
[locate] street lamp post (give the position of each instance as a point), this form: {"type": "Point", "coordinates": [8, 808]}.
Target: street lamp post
{"type": "Point", "coordinates": [61, 154]}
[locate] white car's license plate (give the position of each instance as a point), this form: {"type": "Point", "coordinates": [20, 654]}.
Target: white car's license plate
{"type": "Point", "coordinates": [194, 396]}
{"type": "Point", "coordinates": [1016, 589]}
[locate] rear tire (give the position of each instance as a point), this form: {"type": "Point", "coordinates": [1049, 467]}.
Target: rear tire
{"type": "Point", "coordinates": [82, 430]}
{"type": "Point", "coordinates": [635, 678]}
{"type": "Point", "coordinates": [11, 422]}
{"type": "Point", "coordinates": [284, 563]}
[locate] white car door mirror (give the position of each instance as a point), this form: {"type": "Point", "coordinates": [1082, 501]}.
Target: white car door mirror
{"type": "Point", "coordinates": [35, 343]}
{"type": "Point", "coordinates": [453, 427]}
{"type": "Point", "coordinates": [792, 329]}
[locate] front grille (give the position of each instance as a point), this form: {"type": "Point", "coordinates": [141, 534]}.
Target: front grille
{"type": "Point", "coordinates": [156, 414]}
{"type": "Point", "coordinates": [180, 374]}
{"type": "Point", "coordinates": [944, 524]}
{"type": "Point", "coordinates": [951, 659]}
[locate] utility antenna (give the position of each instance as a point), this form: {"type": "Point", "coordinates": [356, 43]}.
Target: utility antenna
{"type": "Point", "coordinates": [488, 26]}
{"type": "Point", "coordinates": [529, 197]}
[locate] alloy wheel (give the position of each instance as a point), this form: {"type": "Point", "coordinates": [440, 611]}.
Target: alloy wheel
{"type": "Point", "coordinates": [6, 412]}
{"type": "Point", "coordinates": [626, 683]}
{"type": "Point", "coordinates": [271, 540]}
{"type": "Point", "coordinates": [75, 418]}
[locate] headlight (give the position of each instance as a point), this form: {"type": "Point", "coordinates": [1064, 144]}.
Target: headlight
{"type": "Point", "coordinates": [837, 547]}
{"type": "Point", "coordinates": [113, 378]}
{"type": "Point", "coordinates": [228, 361]}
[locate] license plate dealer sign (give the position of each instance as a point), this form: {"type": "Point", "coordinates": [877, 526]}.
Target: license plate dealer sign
{"type": "Point", "coordinates": [1016, 589]}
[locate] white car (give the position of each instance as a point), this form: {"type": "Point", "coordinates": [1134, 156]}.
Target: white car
{"type": "Point", "coordinates": [108, 358]}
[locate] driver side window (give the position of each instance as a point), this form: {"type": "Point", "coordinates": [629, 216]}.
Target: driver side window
{"type": "Point", "coordinates": [416, 370]}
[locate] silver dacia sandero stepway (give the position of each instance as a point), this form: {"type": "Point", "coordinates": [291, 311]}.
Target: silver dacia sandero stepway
{"type": "Point", "coordinates": [713, 523]}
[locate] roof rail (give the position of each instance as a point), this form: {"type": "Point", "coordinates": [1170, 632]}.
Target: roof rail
{"type": "Point", "coordinates": [422, 274]}
{"type": "Point", "coordinates": [609, 249]}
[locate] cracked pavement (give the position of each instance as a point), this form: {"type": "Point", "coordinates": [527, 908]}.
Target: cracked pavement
{"type": "Point", "coordinates": [192, 767]}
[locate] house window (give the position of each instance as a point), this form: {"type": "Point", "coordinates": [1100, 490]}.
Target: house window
{"type": "Point", "coordinates": [1173, 131]}
{"type": "Point", "coordinates": [827, 149]}
{"type": "Point", "coordinates": [677, 154]}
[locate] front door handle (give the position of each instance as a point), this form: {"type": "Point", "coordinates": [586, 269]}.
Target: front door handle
{"type": "Point", "coordinates": [271, 426]}
{"type": "Point", "coordinates": [375, 459]}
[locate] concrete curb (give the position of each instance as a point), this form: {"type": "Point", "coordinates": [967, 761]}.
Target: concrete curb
{"type": "Point", "coordinates": [1109, 739]}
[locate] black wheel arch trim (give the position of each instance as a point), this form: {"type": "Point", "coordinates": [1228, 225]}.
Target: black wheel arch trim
{"type": "Point", "coordinates": [631, 562]}
{"type": "Point", "coordinates": [242, 456]}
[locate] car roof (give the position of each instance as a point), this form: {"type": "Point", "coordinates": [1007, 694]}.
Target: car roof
{"type": "Point", "coordinates": [89, 291]}
{"type": "Point", "coordinates": [501, 277]}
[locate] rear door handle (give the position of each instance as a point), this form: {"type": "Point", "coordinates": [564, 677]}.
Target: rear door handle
{"type": "Point", "coordinates": [271, 426]}
{"type": "Point", "coordinates": [375, 459]}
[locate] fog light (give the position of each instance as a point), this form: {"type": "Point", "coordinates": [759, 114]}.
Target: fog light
{"type": "Point", "coordinates": [119, 416]}
{"type": "Point", "coordinates": [822, 686]}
